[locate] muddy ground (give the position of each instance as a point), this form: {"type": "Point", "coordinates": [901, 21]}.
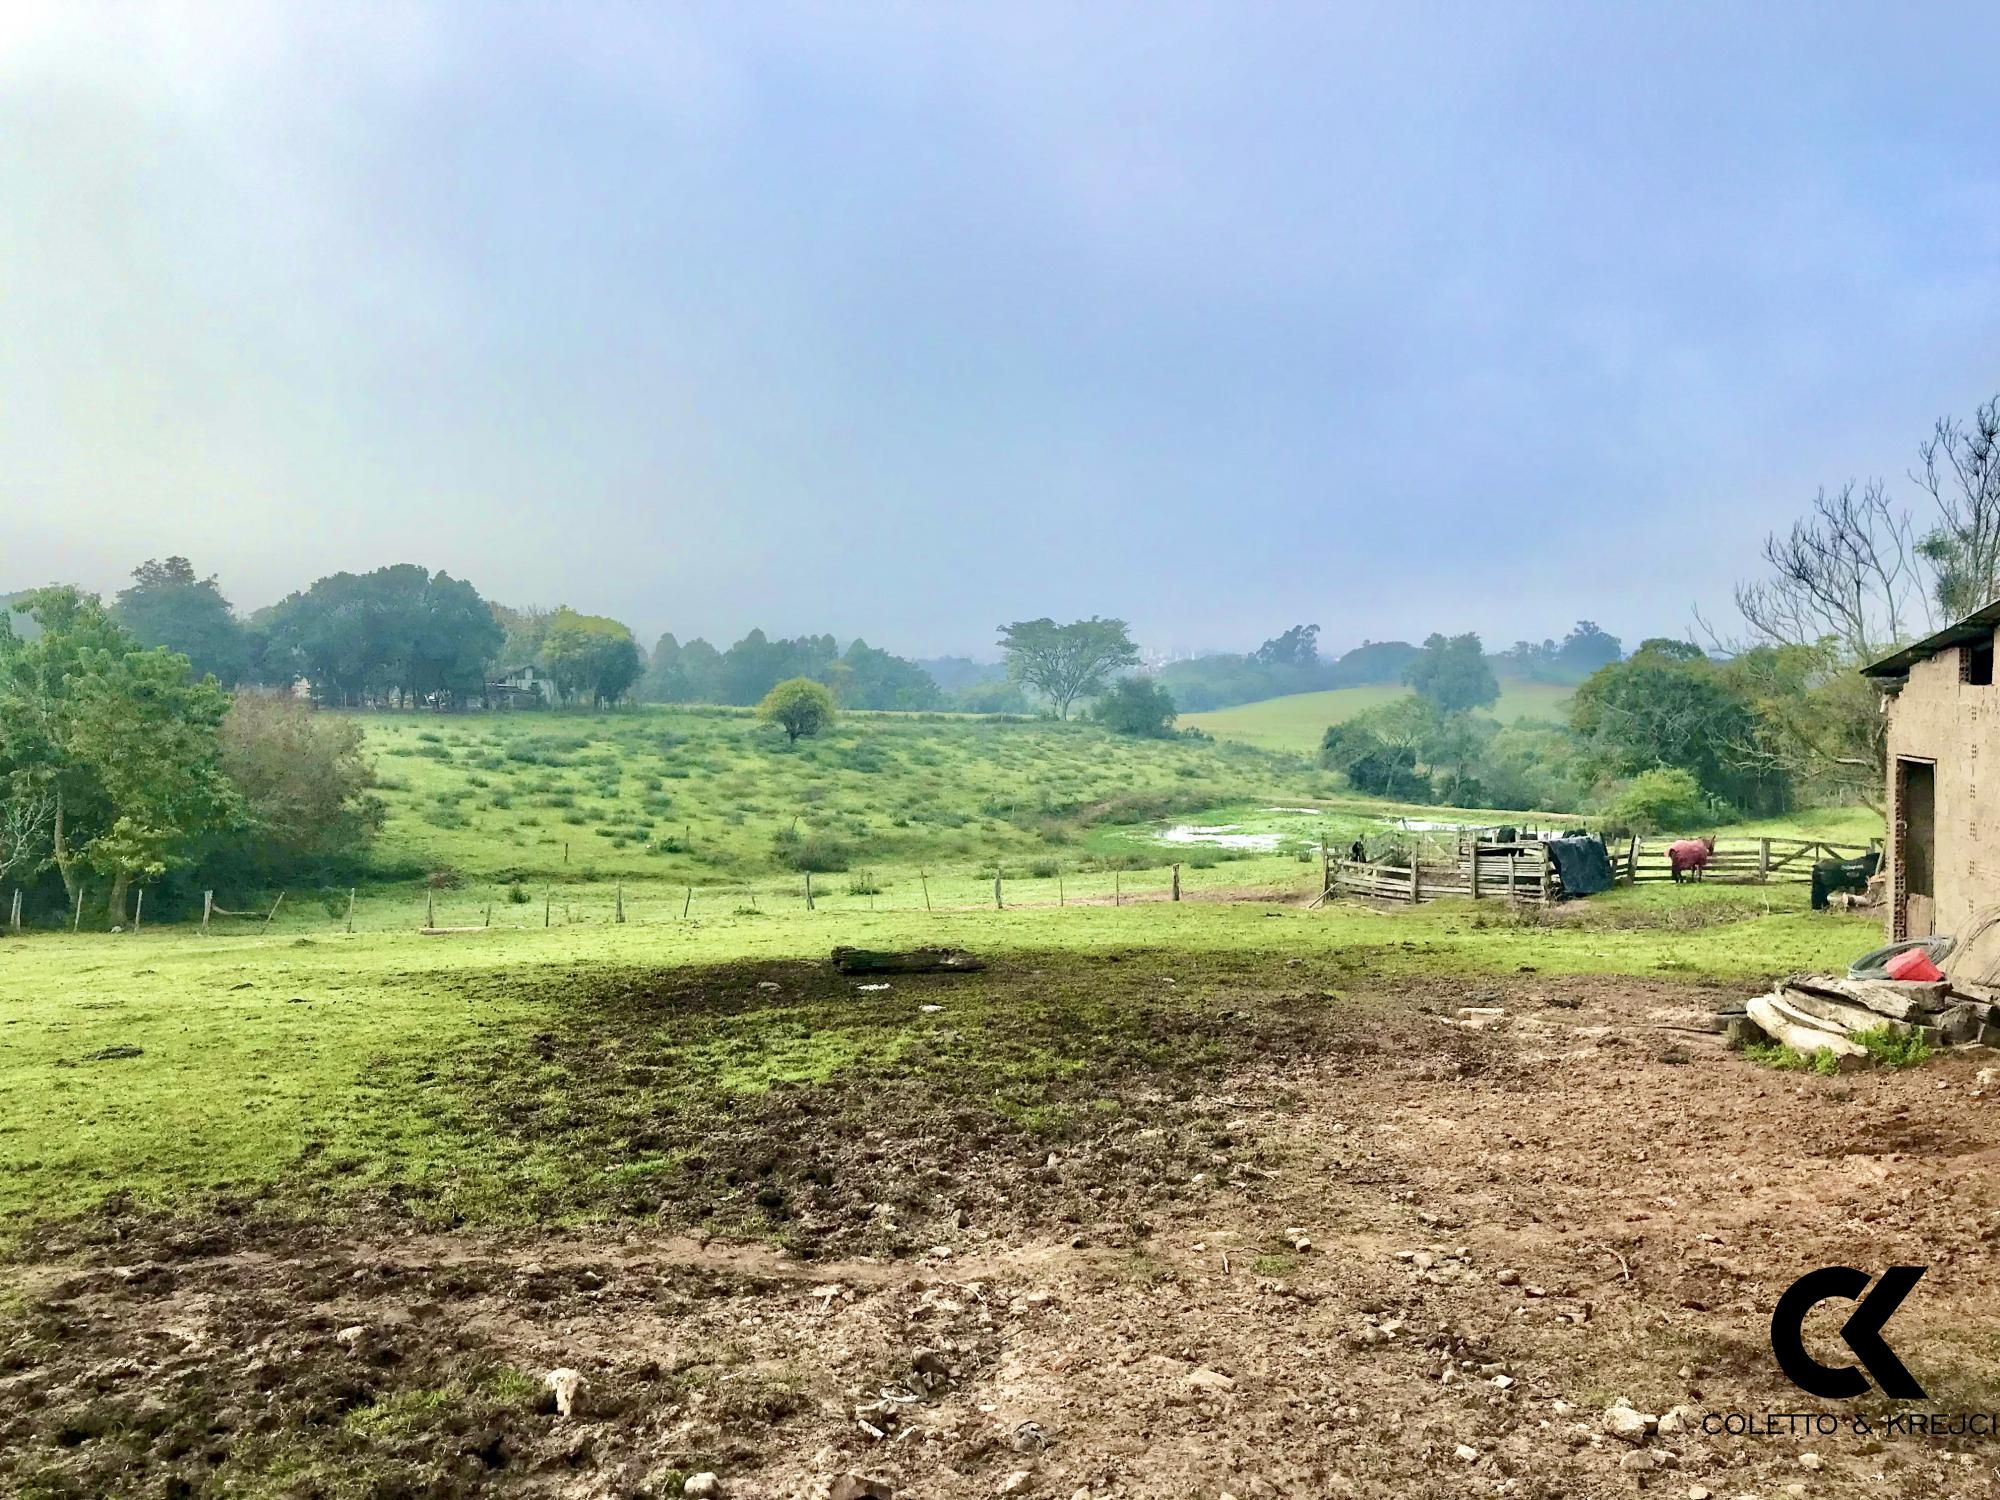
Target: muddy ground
{"type": "Point", "coordinates": [911, 1280]}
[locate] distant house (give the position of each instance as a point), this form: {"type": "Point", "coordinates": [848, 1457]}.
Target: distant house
{"type": "Point", "coordinates": [1943, 715]}
{"type": "Point", "coordinates": [519, 687]}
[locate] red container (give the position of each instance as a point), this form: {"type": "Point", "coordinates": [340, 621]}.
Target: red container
{"type": "Point", "coordinates": [1913, 965]}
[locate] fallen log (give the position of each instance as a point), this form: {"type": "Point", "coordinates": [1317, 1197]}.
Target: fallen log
{"type": "Point", "coordinates": [1804, 1039]}
{"type": "Point", "coordinates": [905, 961]}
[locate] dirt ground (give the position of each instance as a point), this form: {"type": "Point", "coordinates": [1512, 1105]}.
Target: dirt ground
{"type": "Point", "coordinates": [1513, 1224]}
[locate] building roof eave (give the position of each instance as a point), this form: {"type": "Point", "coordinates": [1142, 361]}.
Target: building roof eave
{"type": "Point", "coordinates": [1981, 622]}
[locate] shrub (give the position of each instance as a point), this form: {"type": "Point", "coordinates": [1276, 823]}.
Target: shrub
{"type": "Point", "coordinates": [818, 853]}
{"type": "Point", "coordinates": [798, 706]}
{"type": "Point", "coordinates": [1664, 800]}
{"type": "Point", "coordinates": [1137, 706]}
{"type": "Point", "coordinates": [304, 781]}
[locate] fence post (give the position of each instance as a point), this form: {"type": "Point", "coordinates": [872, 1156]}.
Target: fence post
{"type": "Point", "coordinates": [139, 911]}
{"type": "Point", "coordinates": [620, 913]}
{"type": "Point", "coordinates": [350, 909]}
{"type": "Point", "coordinates": [430, 907]}
{"type": "Point", "coordinates": [1117, 889]}
{"type": "Point", "coordinates": [685, 905]}
{"type": "Point", "coordinates": [1416, 874]}
{"type": "Point", "coordinates": [996, 891]}
{"type": "Point", "coordinates": [1475, 869]}
{"type": "Point", "coordinates": [1177, 882]}
{"type": "Point", "coordinates": [548, 901]}
{"type": "Point", "coordinates": [1632, 862]}
{"type": "Point", "coordinates": [489, 915]}
{"type": "Point", "coordinates": [924, 880]}
{"type": "Point", "coordinates": [1764, 861]}
{"type": "Point", "coordinates": [77, 924]}
{"type": "Point", "coordinates": [809, 890]}
{"type": "Point", "coordinates": [1061, 900]}
{"type": "Point", "coordinates": [208, 906]}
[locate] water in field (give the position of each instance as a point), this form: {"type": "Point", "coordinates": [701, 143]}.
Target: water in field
{"type": "Point", "coordinates": [1221, 836]}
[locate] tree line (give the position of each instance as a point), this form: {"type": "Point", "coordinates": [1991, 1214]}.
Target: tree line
{"type": "Point", "coordinates": [403, 636]}
{"type": "Point", "coordinates": [1670, 737]}
{"type": "Point", "coordinates": [1290, 663]}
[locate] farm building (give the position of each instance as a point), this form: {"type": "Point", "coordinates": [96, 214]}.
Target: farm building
{"type": "Point", "coordinates": [519, 687]}
{"type": "Point", "coordinates": [1943, 716]}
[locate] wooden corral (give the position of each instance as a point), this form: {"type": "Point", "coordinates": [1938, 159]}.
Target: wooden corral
{"type": "Point", "coordinates": [1518, 872]}
{"type": "Point", "coordinates": [1736, 861]}
{"type": "Point", "coordinates": [1523, 871]}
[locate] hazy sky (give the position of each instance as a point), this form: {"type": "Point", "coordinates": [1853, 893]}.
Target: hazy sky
{"type": "Point", "coordinates": [905, 320]}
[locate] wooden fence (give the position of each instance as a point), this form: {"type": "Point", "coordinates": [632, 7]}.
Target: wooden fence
{"type": "Point", "coordinates": [1736, 861]}
{"type": "Point", "coordinates": [1517, 872]}
{"type": "Point", "coordinates": [1523, 871]}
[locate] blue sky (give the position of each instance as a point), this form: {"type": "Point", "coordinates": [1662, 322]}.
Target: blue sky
{"type": "Point", "coordinates": [901, 321]}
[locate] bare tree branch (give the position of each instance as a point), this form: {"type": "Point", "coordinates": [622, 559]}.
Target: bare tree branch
{"type": "Point", "coordinates": [1961, 474]}
{"type": "Point", "coordinates": [27, 814]}
{"type": "Point", "coordinates": [1848, 572]}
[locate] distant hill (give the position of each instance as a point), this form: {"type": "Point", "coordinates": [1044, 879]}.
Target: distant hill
{"type": "Point", "coordinates": [1212, 682]}
{"type": "Point", "coordinates": [1297, 720]}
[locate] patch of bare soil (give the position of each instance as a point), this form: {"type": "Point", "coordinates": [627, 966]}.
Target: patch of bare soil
{"type": "Point", "coordinates": [1514, 1222]}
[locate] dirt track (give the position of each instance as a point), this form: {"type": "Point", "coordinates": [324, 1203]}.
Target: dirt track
{"type": "Point", "coordinates": [1510, 1229]}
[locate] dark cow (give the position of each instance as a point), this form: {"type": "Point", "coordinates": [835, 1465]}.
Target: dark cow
{"type": "Point", "coordinates": [1830, 875]}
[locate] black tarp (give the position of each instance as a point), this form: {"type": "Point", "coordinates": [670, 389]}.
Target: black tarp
{"type": "Point", "coordinates": [1583, 864]}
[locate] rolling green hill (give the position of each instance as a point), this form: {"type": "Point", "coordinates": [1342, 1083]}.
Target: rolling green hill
{"type": "Point", "coordinates": [1296, 721]}
{"type": "Point", "coordinates": [698, 796]}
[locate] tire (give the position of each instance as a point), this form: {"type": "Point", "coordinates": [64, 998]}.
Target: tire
{"type": "Point", "coordinates": [1870, 965]}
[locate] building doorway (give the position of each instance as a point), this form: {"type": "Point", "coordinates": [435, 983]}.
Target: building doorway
{"type": "Point", "coordinates": [1916, 849]}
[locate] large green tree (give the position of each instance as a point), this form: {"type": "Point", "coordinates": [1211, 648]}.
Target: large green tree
{"type": "Point", "coordinates": [590, 657]}
{"type": "Point", "coordinates": [122, 739]}
{"type": "Point", "coordinates": [1670, 705]}
{"type": "Point", "coordinates": [397, 634]}
{"type": "Point", "coordinates": [167, 605]}
{"type": "Point", "coordinates": [1452, 674]}
{"type": "Point", "coordinates": [1067, 662]}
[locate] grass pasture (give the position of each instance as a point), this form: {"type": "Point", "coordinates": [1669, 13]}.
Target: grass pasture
{"type": "Point", "coordinates": [294, 1211]}
{"type": "Point", "coordinates": [348, 1067]}
{"type": "Point", "coordinates": [709, 797]}
{"type": "Point", "coordinates": [1296, 721]}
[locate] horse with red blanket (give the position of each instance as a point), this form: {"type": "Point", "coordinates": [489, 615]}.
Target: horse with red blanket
{"type": "Point", "coordinates": [1690, 857]}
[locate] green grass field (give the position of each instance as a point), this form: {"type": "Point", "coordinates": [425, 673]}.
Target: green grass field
{"type": "Point", "coordinates": [336, 1063]}
{"type": "Point", "coordinates": [1296, 722]}
{"type": "Point", "coordinates": [705, 796]}
{"type": "Point", "coordinates": [304, 1053]}
{"type": "Point", "coordinates": [331, 1148]}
